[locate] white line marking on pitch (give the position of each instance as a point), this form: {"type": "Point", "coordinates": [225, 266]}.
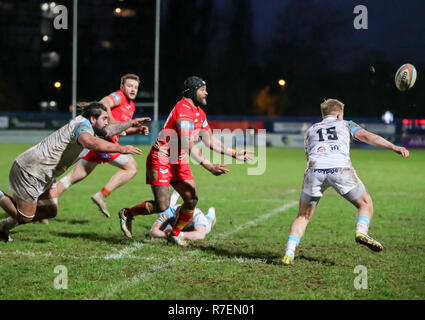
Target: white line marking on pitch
{"type": "Point", "coordinates": [257, 220]}
{"type": "Point", "coordinates": [142, 276]}
{"type": "Point", "coordinates": [127, 255]}
{"type": "Point", "coordinates": [125, 252]}
{"type": "Point", "coordinates": [145, 275]}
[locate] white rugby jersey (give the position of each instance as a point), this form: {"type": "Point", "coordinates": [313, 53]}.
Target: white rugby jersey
{"type": "Point", "coordinates": [54, 154]}
{"type": "Point", "coordinates": [327, 143]}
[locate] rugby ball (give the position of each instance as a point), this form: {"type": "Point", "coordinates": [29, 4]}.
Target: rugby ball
{"type": "Point", "coordinates": [405, 77]}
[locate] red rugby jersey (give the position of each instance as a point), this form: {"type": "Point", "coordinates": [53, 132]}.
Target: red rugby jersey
{"type": "Point", "coordinates": [123, 109]}
{"type": "Point", "coordinates": [182, 111]}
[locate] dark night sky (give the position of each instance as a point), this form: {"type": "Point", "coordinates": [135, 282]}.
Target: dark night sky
{"type": "Point", "coordinates": [395, 27]}
{"type": "Point", "coordinates": [312, 44]}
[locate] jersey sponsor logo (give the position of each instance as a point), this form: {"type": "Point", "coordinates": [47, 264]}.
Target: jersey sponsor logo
{"type": "Point", "coordinates": [321, 149]}
{"type": "Point", "coordinates": [330, 171]}
{"type": "Point", "coordinates": [186, 125]}
{"type": "Point", "coordinates": [334, 148]}
{"type": "Point", "coordinates": [163, 171]}
{"type": "Point", "coordinates": [163, 181]}
{"type": "Point", "coordinates": [197, 114]}
{"type": "Point", "coordinates": [184, 115]}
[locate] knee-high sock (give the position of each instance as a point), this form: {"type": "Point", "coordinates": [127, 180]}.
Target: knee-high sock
{"type": "Point", "coordinates": [183, 217]}
{"type": "Point", "coordinates": [144, 208]}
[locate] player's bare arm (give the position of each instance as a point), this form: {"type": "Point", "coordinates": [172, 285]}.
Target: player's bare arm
{"type": "Point", "coordinates": [116, 128]}
{"type": "Point", "coordinates": [198, 234]}
{"type": "Point", "coordinates": [375, 140]}
{"type": "Point", "coordinates": [156, 231]}
{"type": "Point", "coordinates": [218, 146]}
{"type": "Point", "coordinates": [188, 144]}
{"type": "Point", "coordinates": [109, 104]}
{"type": "Point", "coordinates": [137, 130]}
{"type": "Point", "coordinates": [99, 145]}
{"type": "Point", "coordinates": [196, 154]}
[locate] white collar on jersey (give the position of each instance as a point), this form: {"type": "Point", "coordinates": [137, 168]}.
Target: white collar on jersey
{"type": "Point", "coordinates": [329, 119]}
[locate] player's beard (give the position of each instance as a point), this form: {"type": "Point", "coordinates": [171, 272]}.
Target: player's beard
{"type": "Point", "coordinates": [201, 102]}
{"type": "Point", "coordinates": [99, 131]}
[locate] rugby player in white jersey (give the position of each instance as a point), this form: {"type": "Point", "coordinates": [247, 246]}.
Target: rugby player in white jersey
{"type": "Point", "coordinates": [196, 229]}
{"type": "Point", "coordinates": [327, 147]}
{"type": "Point", "coordinates": [33, 174]}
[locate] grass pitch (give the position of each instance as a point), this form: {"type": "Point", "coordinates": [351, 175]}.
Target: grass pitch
{"type": "Point", "coordinates": [240, 258]}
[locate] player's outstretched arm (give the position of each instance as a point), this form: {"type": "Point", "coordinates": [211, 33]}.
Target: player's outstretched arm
{"type": "Point", "coordinates": [116, 128]}
{"type": "Point", "coordinates": [99, 145]}
{"type": "Point", "coordinates": [218, 146]}
{"type": "Point", "coordinates": [375, 140]}
{"type": "Point", "coordinates": [137, 130]}
{"type": "Point", "coordinates": [198, 234]}
{"type": "Point", "coordinates": [190, 147]}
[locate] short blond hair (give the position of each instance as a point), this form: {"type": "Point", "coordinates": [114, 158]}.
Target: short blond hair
{"type": "Point", "coordinates": [130, 76]}
{"type": "Point", "coordinates": [331, 106]}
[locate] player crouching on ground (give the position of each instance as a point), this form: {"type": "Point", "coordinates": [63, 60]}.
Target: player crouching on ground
{"type": "Point", "coordinates": [196, 229]}
{"type": "Point", "coordinates": [33, 174]}
{"type": "Point", "coordinates": [327, 147]}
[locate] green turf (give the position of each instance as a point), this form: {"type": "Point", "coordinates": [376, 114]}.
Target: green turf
{"type": "Point", "coordinates": [239, 259]}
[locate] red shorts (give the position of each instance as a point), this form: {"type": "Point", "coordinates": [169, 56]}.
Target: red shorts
{"type": "Point", "coordinates": [102, 157]}
{"type": "Point", "coordinates": [160, 172]}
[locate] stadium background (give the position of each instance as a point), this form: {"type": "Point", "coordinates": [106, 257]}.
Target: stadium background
{"type": "Point", "coordinates": [242, 48]}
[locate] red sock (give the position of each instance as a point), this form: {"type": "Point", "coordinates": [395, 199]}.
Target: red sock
{"type": "Point", "coordinates": [144, 208]}
{"type": "Point", "coordinates": [182, 219]}
{"type": "Point", "coordinates": [105, 191]}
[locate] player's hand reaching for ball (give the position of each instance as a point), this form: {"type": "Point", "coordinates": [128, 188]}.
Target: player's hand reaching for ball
{"type": "Point", "coordinates": [243, 155]}
{"type": "Point", "coordinates": [130, 150]}
{"type": "Point", "coordinates": [139, 121]}
{"type": "Point", "coordinates": [218, 169]}
{"type": "Point", "coordinates": [143, 130]}
{"type": "Point", "coordinates": [401, 150]}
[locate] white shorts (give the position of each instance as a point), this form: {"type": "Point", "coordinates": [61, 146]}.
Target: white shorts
{"type": "Point", "coordinates": [344, 180]}
{"type": "Point", "coordinates": [25, 186]}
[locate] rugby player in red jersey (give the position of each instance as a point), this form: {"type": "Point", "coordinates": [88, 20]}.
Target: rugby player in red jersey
{"type": "Point", "coordinates": [167, 163]}
{"type": "Point", "coordinates": [120, 107]}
